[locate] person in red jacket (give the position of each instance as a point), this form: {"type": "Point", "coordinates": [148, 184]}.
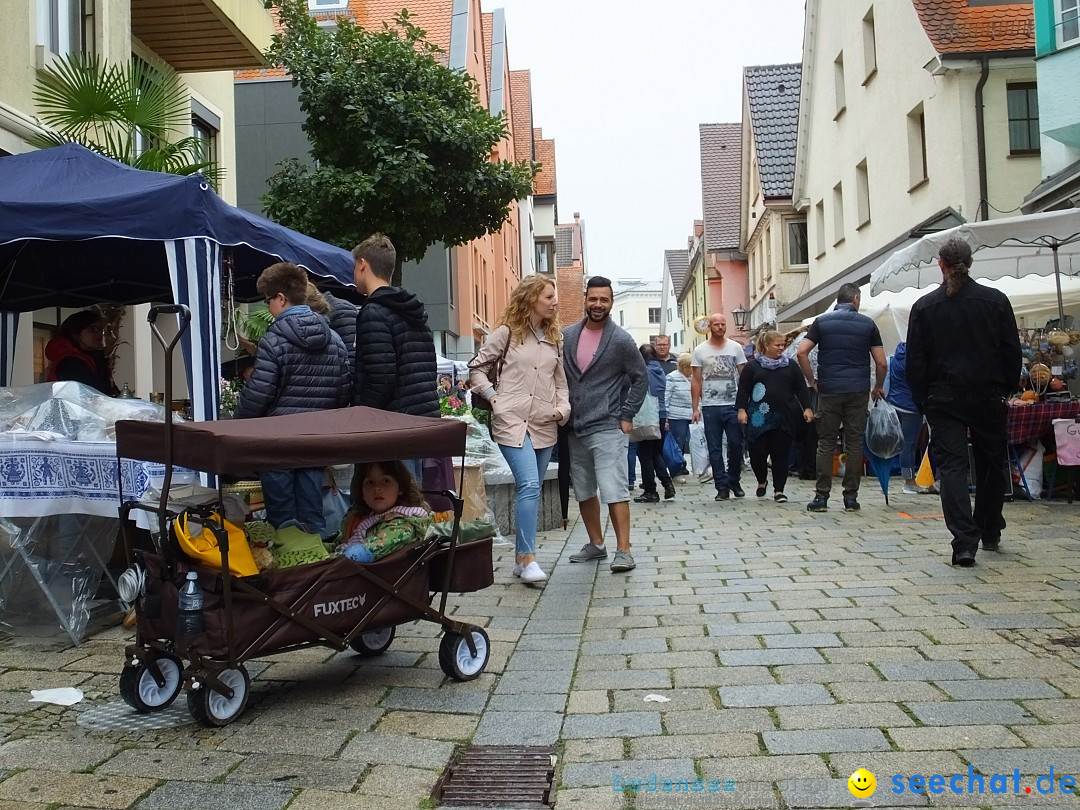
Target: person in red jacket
{"type": "Point", "coordinates": [77, 353]}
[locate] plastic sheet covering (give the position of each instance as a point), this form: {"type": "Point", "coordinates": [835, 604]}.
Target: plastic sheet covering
{"type": "Point", "coordinates": [50, 569]}
{"type": "Point", "coordinates": [71, 410]}
{"type": "Point", "coordinates": [481, 449]}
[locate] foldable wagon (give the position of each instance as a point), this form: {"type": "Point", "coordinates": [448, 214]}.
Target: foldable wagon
{"type": "Point", "coordinates": [335, 603]}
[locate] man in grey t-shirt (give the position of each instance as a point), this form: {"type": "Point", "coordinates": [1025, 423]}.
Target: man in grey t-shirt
{"type": "Point", "coordinates": [716, 366]}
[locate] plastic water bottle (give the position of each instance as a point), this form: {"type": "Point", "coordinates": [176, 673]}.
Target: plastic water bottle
{"type": "Point", "coordinates": [189, 607]}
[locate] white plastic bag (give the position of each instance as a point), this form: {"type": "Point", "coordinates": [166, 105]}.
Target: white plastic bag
{"type": "Point", "coordinates": [647, 421]}
{"type": "Point", "coordinates": [699, 448]}
{"type": "Point", "coordinates": [884, 438]}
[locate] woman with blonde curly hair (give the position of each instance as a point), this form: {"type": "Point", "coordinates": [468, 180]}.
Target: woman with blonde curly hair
{"type": "Point", "coordinates": [519, 369]}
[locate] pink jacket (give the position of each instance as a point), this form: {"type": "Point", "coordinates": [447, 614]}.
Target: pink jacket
{"type": "Point", "coordinates": [532, 394]}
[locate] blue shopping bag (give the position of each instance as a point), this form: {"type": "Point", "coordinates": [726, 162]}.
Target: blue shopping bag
{"type": "Point", "coordinates": [673, 456]}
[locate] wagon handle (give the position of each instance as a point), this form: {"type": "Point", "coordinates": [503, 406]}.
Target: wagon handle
{"type": "Point", "coordinates": [184, 316]}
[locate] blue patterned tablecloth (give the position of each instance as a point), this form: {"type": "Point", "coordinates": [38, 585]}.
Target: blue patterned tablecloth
{"type": "Point", "coordinates": [41, 477]}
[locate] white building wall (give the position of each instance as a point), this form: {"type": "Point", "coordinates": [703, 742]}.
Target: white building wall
{"type": "Point", "coordinates": [1059, 109]}
{"type": "Point", "coordinates": [544, 220]}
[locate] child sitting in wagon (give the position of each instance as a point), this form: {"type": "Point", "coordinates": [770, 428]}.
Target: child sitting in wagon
{"type": "Point", "coordinates": [388, 512]}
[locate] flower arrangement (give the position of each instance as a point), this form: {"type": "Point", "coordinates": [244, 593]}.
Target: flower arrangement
{"type": "Point", "coordinates": [230, 395]}
{"type": "Point", "coordinates": [453, 406]}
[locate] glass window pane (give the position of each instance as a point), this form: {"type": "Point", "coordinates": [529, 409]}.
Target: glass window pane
{"type": "Point", "coordinates": [1070, 29]}
{"type": "Point", "coordinates": [1033, 102]}
{"type": "Point", "coordinates": [1018, 139]}
{"type": "Point", "coordinates": [1017, 99]}
{"type": "Point", "coordinates": [1033, 134]}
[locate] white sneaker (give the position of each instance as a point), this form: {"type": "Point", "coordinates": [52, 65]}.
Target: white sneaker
{"type": "Point", "coordinates": [910, 490]}
{"type": "Point", "coordinates": [518, 568]}
{"type": "Point", "coordinates": [533, 573]}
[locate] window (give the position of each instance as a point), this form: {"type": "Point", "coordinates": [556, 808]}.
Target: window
{"type": "Point", "coordinates": [916, 127]}
{"type": "Point", "coordinates": [838, 82]}
{"type": "Point", "coordinates": [838, 213]}
{"type": "Point", "coordinates": [869, 45]}
{"type": "Point", "coordinates": [862, 192]}
{"type": "Point", "coordinates": [798, 249]}
{"type": "Point", "coordinates": [767, 275]}
{"type": "Point", "coordinates": [207, 135]}
{"type": "Point", "coordinates": [1023, 103]}
{"type": "Point", "coordinates": [819, 228]}
{"type": "Point", "coordinates": [1068, 21]}
{"type": "Point", "coordinates": [654, 314]}
{"type": "Point", "coordinates": [59, 25]}
{"type": "Point", "coordinates": [328, 5]}
{"type": "Point", "coordinates": [545, 257]}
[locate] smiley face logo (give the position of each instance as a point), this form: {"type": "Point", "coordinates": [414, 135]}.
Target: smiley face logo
{"type": "Point", "coordinates": [862, 784]}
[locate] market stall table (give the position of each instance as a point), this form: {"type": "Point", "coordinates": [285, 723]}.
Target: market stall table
{"type": "Point", "coordinates": [1029, 423]}
{"type": "Point", "coordinates": [58, 522]}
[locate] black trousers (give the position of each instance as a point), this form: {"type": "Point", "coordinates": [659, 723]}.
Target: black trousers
{"type": "Point", "coordinates": [775, 445]}
{"type": "Point", "coordinates": [951, 423]}
{"type": "Point", "coordinates": [651, 455]}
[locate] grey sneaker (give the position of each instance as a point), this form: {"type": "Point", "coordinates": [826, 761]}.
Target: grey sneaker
{"type": "Point", "coordinates": [622, 561]}
{"type": "Point", "coordinates": [589, 552]}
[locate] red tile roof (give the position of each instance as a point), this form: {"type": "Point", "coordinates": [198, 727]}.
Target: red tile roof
{"type": "Point", "coordinates": [521, 114]}
{"type": "Point", "coordinates": [545, 156]}
{"type": "Point", "coordinates": [954, 27]}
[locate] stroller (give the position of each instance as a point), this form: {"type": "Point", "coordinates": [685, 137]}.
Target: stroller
{"type": "Point", "coordinates": [334, 603]}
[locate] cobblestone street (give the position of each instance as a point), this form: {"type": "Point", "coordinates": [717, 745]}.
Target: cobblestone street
{"type": "Point", "coordinates": [788, 650]}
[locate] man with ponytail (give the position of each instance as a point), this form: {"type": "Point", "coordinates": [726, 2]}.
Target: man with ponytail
{"type": "Point", "coordinates": [963, 361]}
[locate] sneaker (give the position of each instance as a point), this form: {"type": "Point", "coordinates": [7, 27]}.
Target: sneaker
{"type": "Point", "coordinates": [722, 495]}
{"type": "Point", "coordinates": [991, 545]}
{"type": "Point", "coordinates": [622, 561]}
{"type": "Point", "coordinates": [533, 573]}
{"type": "Point", "coordinates": [669, 492]}
{"type": "Point", "coordinates": [737, 491]}
{"type": "Point", "coordinates": [819, 504]}
{"type": "Point", "coordinates": [631, 488]}
{"type": "Point", "coordinates": [761, 490]}
{"type": "Point", "coordinates": [589, 552]}
{"type": "Point", "coordinates": [851, 504]}
{"type": "Point", "coordinates": [910, 490]}
{"type": "Point", "coordinates": [780, 497]}
{"type": "Point", "coordinates": [518, 568]}
{"type": "Point", "coordinates": [705, 477]}
{"type": "Point", "coordinates": [933, 489]}
{"type": "Point", "coordinates": [647, 497]}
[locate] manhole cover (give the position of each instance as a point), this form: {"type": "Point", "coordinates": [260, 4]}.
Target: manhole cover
{"type": "Point", "coordinates": [495, 775]}
{"type": "Point", "coordinates": [118, 716]}
{"type": "Point", "coordinates": [1067, 641]}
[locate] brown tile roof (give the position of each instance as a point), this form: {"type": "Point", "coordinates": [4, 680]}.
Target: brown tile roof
{"type": "Point", "coordinates": [954, 27]}
{"type": "Point", "coordinates": [721, 185]}
{"type": "Point", "coordinates": [545, 156]}
{"type": "Point", "coordinates": [772, 93]}
{"type": "Point", "coordinates": [521, 114]}
{"type": "Point", "coordinates": [564, 246]}
{"type": "Point", "coordinates": [678, 263]}
{"type": "Point", "coordinates": [434, 16]}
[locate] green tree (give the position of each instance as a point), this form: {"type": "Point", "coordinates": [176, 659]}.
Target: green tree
{"type": "Point", "coordinates": [400, 142]}
{"type": "Point", "coordinates": [132, 112]}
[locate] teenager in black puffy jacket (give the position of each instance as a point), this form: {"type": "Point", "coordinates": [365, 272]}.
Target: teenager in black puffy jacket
{"type": "Point", "coordinates": [301, 365]}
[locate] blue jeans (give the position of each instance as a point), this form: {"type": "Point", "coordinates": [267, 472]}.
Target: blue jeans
{"type": "Point", "coordinates": [416, 467]}
{"type": "Point", "coordinates": [911, 425]}
{"type": "Point", "coordinates": [294, 495]}
{"type": "Point", "coordinates": [528, 466]}
{"type": "Point", "coordinates": [631, 462]}
{"type": "Point", "coordinates": [720, 421]}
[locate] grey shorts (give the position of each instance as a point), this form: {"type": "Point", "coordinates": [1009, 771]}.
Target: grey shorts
{"type": "Point", "coordinates": [598, 465]}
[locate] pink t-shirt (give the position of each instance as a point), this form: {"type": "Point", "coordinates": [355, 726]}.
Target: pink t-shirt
{"type": "Point", "coordinates": [587, 345]}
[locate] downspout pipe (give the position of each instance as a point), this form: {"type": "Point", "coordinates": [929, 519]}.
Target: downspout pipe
{"type": "Point", "coordinates": [983, 212]}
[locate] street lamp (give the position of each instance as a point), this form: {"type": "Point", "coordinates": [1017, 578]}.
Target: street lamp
{"type": "Point", "coordinates": [739, 316]}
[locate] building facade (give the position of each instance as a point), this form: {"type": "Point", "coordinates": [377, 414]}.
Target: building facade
{"type": "Point", "coordinates": [914, 115]}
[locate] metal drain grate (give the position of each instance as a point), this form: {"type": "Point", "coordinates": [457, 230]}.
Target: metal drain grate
{"type": "Point", "coordinates": [498, 775]}
{"type": "Point", "coordinates": [1067, 641]}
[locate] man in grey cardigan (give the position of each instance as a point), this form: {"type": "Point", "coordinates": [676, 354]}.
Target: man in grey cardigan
{"type": "Point", "coordinates": [607, 382]}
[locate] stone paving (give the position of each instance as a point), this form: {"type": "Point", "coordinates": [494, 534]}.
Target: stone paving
{"type": "Point", "coordinates": [756, 647]}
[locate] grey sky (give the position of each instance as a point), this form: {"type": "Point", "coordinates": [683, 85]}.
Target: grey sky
{"type": "Point", "coordinates": [622, 86]}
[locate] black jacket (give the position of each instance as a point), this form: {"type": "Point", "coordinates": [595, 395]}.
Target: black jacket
{"type": "Point", "coordinates": [395, 368]}
{"type": "Point", "coordinates": [342, 317]}
{"type": "Point", "coordinates": [301, 365]}
{"type": "Point", "coordinates": [962, 347]}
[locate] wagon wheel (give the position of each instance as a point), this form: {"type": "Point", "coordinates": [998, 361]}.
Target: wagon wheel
{"type": "Point", "coordinates": [373, 642]}
{"type": "Point", "coordinates": [456, 660]}
{"type": "Point", "coordinates": [143, 693]}
{"type": "Point", "coordinates": [213, 709]}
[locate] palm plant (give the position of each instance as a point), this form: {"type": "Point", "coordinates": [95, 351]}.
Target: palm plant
{"type": "Point", "coordinates": [134, 113]}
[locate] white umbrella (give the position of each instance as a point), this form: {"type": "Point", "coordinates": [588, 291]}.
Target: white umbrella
{"type": "Point", "coordinates": [1046, 244]}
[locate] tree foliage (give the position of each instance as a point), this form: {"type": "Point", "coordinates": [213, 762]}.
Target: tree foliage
{"type": "Point", "coordinates": [132, 112]}
{"type": "Point", "coordinates": [401, 143]}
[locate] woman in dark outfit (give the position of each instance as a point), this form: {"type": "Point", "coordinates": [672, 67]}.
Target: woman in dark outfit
{"type": "Point", "coordinates": [771, 393]}
{"type": "Point", "coordinates": [651, 451]}
{"type": "Point", "coordinates": [77, 353]}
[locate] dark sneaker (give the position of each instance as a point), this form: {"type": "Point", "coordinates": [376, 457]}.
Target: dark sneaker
{"type": "Point", "coordinates": [851, 504]}
{"type": "Point", "coordinates": [647, 497]}
{"type": "Point", "coordinates": [669, 492]}
{"type": "Point", "coordinates": [991, 545]}
{"type": "Point", "coordinates": [722, 495]}
{"type": "Point", "coordinates": [761, 490]}
{"type": "Point", "coordinates": [737, 491]}
{"type": "Point", "coordinates": [964, 559]}
{"type": "Point", "coordinates": [589, 552]}
{"type": "Point", "coordinates": [819, 504]}
{"type": "Point", "coordinates": [622, 561]}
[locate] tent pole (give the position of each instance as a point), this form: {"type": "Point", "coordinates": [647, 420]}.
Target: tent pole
{"type": "Point", "coordinates": [1057, 281]}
